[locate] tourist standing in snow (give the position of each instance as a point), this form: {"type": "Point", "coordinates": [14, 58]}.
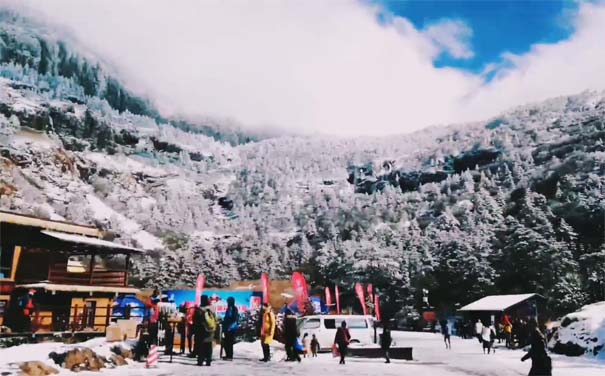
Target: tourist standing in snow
{"type": "Point", "coordinates": [541, 363]}
{"type": "Point", "coordinates": [267, 331]}
{"type": "Point", "coordinates": [205, 324]}
{"type": "Point", "coordinates": [314, 346]}
{"type": "Point", "coordinates": [508, 332]}
{"type": "Point", "coordinates": [230, 326]}
{"type": "Point", "coordinates": [479, 330]}
{"type": "Point", "coordinates": [154, 315]}
{"type": "Point", "coordinates": [182, 328]}
{"type": "Point", "coordinates": [486, 339]}
{"type": "Point", "coordinates": [187, 310]}
{"type": "Point", "coordinates": [385, 341]}
{"type": "Point", "coordinates": [445, 330]}
{"type": "Point", "coordinates": [342, 339]}
{"type": "Point", "coordinates": [190, 308]}
{"type": "Point", "coordinates": [306, 345]}
{"type": "Point", "coordinates": [291, 334]}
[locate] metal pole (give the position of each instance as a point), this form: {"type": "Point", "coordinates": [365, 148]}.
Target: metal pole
{"type": "Point", "coordinates": [173, 325]}
{"type": "Point", "coordinates": [220, 338]}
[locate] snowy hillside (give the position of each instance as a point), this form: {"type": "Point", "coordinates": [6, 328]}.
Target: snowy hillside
{"type": "Point", "coordinates": [513, 204]}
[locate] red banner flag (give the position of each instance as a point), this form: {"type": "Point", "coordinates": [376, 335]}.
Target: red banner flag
{"type": "Point", "coordinates": [299, 285]}
{"type": "Point", "coordinates": [328, 298]}
{"type": "Point", "coordinates": [377, 307]}
{"type": "Point", "coordinates": [265, 283]}
{"type": "Point", "coordinates": [199, 287]}
{"type": "Point", "coordinates": [361, 296]}
{"type": "Point", "coordinates": [337, 293]}
{"type": "Point", "coordinates": [371, 292]}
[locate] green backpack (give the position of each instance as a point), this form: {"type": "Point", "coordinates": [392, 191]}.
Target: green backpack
{"type": "Point", "coordinates": [210, 321]}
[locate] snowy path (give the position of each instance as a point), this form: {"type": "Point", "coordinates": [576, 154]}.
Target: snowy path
{"type": "Point", "coordinates": [430, 358]}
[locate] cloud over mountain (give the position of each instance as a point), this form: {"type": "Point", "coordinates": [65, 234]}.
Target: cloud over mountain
{"type": "Point", "coordinates": [328, 67]}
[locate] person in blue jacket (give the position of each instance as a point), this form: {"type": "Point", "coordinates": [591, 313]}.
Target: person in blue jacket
{"type": "Point", "coordinates": [230, 326]}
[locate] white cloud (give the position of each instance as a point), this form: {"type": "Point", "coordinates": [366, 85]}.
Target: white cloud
{"type": "Point", "coordinates": [453, 36]}
{"type": "Point", "coordinates": [319, 66]}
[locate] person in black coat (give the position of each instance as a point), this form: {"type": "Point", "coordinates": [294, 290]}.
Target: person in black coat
{"type": "Point", "coordinates": [291, 334]}
{"type": "Point", "coordinates": [386, 340]}
{"type": "Point", "coordinates": [204, 324]}
{"type": "Point", "coordinates": [540, 361]}
{"type": "Point", "coordinates": [230, 326]}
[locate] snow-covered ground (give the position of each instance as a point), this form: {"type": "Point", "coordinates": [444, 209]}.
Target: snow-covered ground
{"type": "Point", "coordinates": [430, 358]}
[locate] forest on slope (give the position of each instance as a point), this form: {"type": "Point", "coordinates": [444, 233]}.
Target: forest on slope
{"type": "Point", "coordinates": [512, 204]}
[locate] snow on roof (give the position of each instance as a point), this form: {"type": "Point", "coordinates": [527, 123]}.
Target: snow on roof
{"type": "Point", "coordinates": [94, 242]}
{"type": "Point", "coordinates": [79, 288]}
{"type": "Point", "coordinates": [497, 302]}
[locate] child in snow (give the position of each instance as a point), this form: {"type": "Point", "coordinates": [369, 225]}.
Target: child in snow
{"type": "Point", "coordinates": [307, 345]}
{"type": "Point", "coordinates": [314, 346]}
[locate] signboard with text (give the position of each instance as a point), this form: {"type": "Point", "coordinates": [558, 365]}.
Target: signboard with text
{"type": "Point", "coordinates": [245, 301]}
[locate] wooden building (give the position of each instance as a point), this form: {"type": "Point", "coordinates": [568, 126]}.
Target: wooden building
{"type": "Point", "coordinates": [76, 274]}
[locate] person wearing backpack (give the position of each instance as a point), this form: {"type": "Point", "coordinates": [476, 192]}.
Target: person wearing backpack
{"type": "Point", "coordinates": [230, 326]}
{"type": "Point", "coordinates": [541, 363]}
{"type": "Point", "coordinates": [205, 324]}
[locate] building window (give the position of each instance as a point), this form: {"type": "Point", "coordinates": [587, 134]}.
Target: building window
{"type": "Point", "coordinates": [90, 313]}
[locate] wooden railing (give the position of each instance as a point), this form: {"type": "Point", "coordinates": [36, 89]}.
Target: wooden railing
{"type": "Point", "coordinates": [59, 274]}
{"type": "Point", "coordinates": [80, 318]}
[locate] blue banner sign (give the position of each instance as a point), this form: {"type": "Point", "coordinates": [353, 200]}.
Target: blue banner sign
{"type": "Point", "coordinates": [245, 301]}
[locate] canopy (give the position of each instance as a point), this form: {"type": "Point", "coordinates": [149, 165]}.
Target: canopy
{"type": "Point", "coordinates": [497, 303]}
{"type": "Point", "coordinates": [78, 242]}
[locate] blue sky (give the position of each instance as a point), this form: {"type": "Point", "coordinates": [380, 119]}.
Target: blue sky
{"type": "Point", "coordinates": [497, 26]}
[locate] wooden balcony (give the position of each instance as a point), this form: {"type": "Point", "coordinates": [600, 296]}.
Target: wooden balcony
{"type": "Point", "coordinates": [115, 278]}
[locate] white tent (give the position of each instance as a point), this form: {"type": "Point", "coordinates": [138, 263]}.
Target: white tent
{"type": "Point", "coordinates": [497, 303]}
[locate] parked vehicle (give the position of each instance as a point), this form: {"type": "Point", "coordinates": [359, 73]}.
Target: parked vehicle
{"type": "Point", "coordinates": [324, 328]}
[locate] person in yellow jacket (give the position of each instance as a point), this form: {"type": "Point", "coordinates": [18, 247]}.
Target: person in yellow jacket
{"type": "Point", "coordinates": [267, 331]}
{"type": "Point", "coordinates": [508, 332]}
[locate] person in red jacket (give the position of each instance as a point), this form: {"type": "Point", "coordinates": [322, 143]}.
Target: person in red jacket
{"type": "Point", "coordinates": [26, 308]}
{"type": "Point", "coordinates": [154, 315]}
{"type": "Point", "coordinates": [342, 339]}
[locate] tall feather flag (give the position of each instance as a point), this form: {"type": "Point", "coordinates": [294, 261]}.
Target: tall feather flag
{"type": "Point", "coordinates": [299, 285]}
{"type": "Point", "coordinates": [265, 284]}
{"type": "Point", "coordinates": [377, 308]}
{"type": "Point", "coordinates": [337, 293]}
{"type": "Point", "coordinates": [370, 288]}
{"type": "Point", "coordinates": [361, 296]}
{"type": "Point", "coordinates": [199, 288]}
{"type": "Point", "coordinates": [328, 298]}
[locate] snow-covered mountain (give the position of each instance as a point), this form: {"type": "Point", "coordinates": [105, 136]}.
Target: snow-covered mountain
{"type": "Point", "coordinates": [512, 204]}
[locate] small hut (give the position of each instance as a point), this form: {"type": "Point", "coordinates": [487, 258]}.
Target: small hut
{"type": "Point", "coordinates": [491, 308]}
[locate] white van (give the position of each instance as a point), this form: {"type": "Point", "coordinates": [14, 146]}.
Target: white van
{"type": "Point", "coordinates": [324, 327]}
